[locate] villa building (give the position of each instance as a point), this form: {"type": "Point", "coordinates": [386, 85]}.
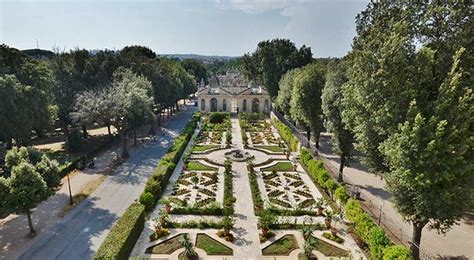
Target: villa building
{"type": "Point", "coordinates": [232, 93]}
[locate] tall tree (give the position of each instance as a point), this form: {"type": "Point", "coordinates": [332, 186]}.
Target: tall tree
{"type": "Point", "coordinates": [272, 59]}
{"type": "Point", "coordinates": [332, 107]}
{"type": "Point", "coordinates": [431, 158]}
{"type": "Point", "coordinates": [27, 189]}
{"type": "Point", "coordinates": [308, 85]}
{"type": "Point", "coordinates": [196, 68]}
{"type": "Point", "coordinates": [285, 91]}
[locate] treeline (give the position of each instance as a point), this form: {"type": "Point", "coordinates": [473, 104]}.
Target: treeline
{"type": "Point", "coordinates": [75, 89]}
{"type": "Point", "coordinates": [402, 97]}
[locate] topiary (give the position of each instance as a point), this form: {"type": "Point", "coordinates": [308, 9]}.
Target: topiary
{"type": "Point", "coordinates": [146, 198]}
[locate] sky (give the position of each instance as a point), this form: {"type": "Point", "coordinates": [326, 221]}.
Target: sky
{"type": "Point", "coordinates": [207, 27]}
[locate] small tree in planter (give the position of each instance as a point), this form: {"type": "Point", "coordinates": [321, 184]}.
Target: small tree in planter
{"type": "Point", "coordinates": [167, 202]}
{"type": "Point", "coordinates": [287, 154]}
{"type": "Point", "coordinates": [188, 247]}
{"type": "Point", "coordinates": [228, 223]}
{"type": "Point", "coordinates": [266, 219]}
{"type": "Point", "coordinates": [328, 217]}
{"type": "Point", "coordinates": [319, 204]}
{"type": "Point", "coordinates": [310, 242]}
{"type": "Point", "coordinates": [164, 218]}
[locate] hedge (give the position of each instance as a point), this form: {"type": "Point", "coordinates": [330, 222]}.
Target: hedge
{"type": "Point", "coordinates": [157, 182]}
{"type": "Point", "coordinates": [396, 252]}
{"type": "Point", "coordinates": [124, 234]}
{"type": "Point", "coordinates": [286, 134]}
{"type": "Point", "coordinates": [364, 226]}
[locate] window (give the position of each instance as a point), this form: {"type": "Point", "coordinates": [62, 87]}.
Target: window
{"type": "Point", "coordinates": [203, 105]}
{"type": "Point", "coordinates": [244, 105]}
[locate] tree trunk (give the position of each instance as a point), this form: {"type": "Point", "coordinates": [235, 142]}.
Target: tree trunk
{"type": "Point", "coordinates": [135, 136]}
{"type": "Point", "coordinates": [152, 127]}
{"type": "Point", "coordinates": [342, 163]}
{"type": "Point", "coordinates": [316, 137]}
{"type": "Point", "coordinates": [108, 130]}
{"type": "Point", "coordinates": [65, 130]}
{"type": "Point", "coordinates": [84, 131]}
{"type": "Point", "coordinates": [124, 144]}
{"type": "Point", "coordinates": [30, 222]}
{"type": "Point", "coordinates": [308, 135]}
{"type": "Point", "coordinates": [416, 239]}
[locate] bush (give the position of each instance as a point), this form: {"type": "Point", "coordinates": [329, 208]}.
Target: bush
{"type": "Point", "coordinates": [397, 252]}
{"type": "Point", "coordinates": [286, 134]}
{"type": "Point", "coordinates": [353, 210]}
{"type": "Point", "coordinates": [341, 194]}
{"type": "Point", "coordinates": [330, 185]}
{"type": "Point", "coordinates": [124, 234]}
{"type": "Point", "coordinates": [217, 117]}
{"type": "Point", "coordinates": [147, 200]}
{"type": "Point", "coordinates": [305, 156]}
{"type": "Point", "coordinates": [378, 241]}
{"type": "Point", "coordinates": [74, 141]}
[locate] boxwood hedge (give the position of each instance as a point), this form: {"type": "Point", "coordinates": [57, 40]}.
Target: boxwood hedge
{"type": "Point", "coordinates": [120, 241]}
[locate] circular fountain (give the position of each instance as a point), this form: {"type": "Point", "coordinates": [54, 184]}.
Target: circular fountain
{"type": "Point", "coordinates": [238, 155]}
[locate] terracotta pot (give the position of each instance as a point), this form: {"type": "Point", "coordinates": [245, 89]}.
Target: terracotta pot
{"type": "Point", "coordinates": [320, 211]}
{"type": "Point", "coordinates": [168, 208]}
{"type": "Point", "coordinates": [294, 167]}
{"type": "Point", "coordinates": [264, 232]}
{"type": "Point", "coordinates": [333, 231]}
{"type": "Point", "coordinates": [226, 231]}
{"type": "Point", "coordinates": [157, 229]}
{"type": "Point", "coordinates": [328, 223]}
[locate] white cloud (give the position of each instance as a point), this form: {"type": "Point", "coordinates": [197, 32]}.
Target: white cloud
{"type": "Point", "coordinates": [257, 6]}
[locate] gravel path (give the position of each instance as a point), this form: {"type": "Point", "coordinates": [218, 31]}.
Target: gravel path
{"type": "Point", "coordinates": [82, 231]}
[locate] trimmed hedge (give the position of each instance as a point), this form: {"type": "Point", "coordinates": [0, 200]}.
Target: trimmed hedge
{"type": "Point", "coordinates": [396, 252]}
{"type": "Point", "coordinates": [157, 182]}
{"type": "Point", "coordinates": [364, 226]}
{"type": "Point", "coordinates": [124, 234]}
{"type": "Point", "coordinates": [286, 134]}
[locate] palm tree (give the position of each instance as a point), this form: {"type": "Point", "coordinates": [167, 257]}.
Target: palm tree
{"type": "Point", "coordinates": [188, 246]}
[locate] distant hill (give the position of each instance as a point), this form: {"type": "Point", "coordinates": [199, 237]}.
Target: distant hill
{"type": "Point", "coordinates": [39, 54]}
{"type": "Point", "coordinates": [204, 58]}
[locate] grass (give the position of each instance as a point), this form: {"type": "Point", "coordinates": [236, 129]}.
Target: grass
{"type": "Point", "coordinates": [197, 166]}
{"type": "Point", "coordinates": [282, 246]}
{"type": "Point", "coordinates": [212, 246]}
{"type": "Point", "coordinates": [329, 250]}
{"type": "Point", "coordinates": [166, 247]}
{"type": "Point", "coordinates": [271, 148]}
{"type": "Point", "coordinates": [279, 167]}
{"type": "Point", "coordinates": [87, 190]}
{"type": "Point", "coordinates": [204, 147]}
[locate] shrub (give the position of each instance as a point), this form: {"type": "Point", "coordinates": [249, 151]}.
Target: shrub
{"type": "Point", "coordinates": [363, 225]}
{"type": "Point", "coordinates": [286, 134]}
{"type": "Point", "coordinates": [217, 117]}
{"type": "Point", "coordinates": [353, 210]}
{"type": "Point", "coordinates": [305, 156]}
{"type": "Point", "coordinates": [378, 241]}
{"type": "Point", "coordinates": [146, 198]}
{"type": "Point", "coordinates": [330, 185]}
{"type": "Point", "coordinates": [397, 252]}
{"type": "Point", "coordinates": [341, 194]}
{"type": "Point", "coordinates": [124, 234]}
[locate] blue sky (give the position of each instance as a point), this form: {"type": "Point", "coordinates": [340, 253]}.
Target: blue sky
{"type": "Point", "coordinates": [212, 27]}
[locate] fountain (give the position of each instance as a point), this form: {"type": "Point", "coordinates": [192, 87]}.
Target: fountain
{"type": "Point", "coordinates": [238, 155]}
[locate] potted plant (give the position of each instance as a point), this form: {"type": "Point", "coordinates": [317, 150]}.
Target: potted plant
{"type": "Point", "coordinates": [295, 166]}
{"type": "Point", "coordinates": [266, 219]}
{"type": "Point", "coordinates": [228, 223]}
{"type": "Point", "coordinates": [328, 216]}
{"type": "Point", "coordinates": [164, 218]}
{"type": "Point", "coordinates": [287, 154]}
{"type": "Point", "coordinates": [188, 247]}
{"type": "Point", "coordinates": [167, 202]}
{"type": "Point", "coordinates": [319, 204]}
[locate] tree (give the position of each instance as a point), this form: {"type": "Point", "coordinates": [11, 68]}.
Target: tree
{"type": "Point", "coordinates": [430, 158]}
{"type": "Point", "coordinates": [285, 91]}
{"type": "Point", "coordinates": [195, 68]}
{"type": "Point", "coordinates": [5, 195]}
{"type": "Point", "coordinates": [305, 103]}
{"type": "Point", "coordinates": [27, 189]}
{"type": "Point", "coordinates": [188, 246]}
{"type": "Point", "coordinates": [272, 59]}
{"type": "Point", "coordinates": [332, 107]}
{"type": "Point", "coordinates": [49, 171]}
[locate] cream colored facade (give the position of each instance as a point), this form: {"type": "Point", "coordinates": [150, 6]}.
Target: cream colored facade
{"type": "Point", "coordinates": [232, 93]}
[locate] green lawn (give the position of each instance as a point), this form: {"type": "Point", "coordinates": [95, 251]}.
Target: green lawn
{"type": "Point", "coordinates": [279, 167]}
{"type": "Point", "coordinates": [329, 250]}
{"type": "Point", "coordinates": [204, 147]}
{"type": "Point", "coordinates": [166, 247]}
{"type": "Point", "coordinates": [212, 246]}
{"type": "Point", "coordinates": [282, 246]}
{"type": "Point", "coordinates": [271, 148]}
{"type": "Point", "coordinates": [197, 166]}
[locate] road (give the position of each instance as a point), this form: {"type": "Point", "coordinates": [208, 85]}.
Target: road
{"type": "Point", "coordinates": [82, 231]}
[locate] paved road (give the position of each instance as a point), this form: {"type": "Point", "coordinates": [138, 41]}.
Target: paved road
{"type": "Point", "coordinates": [458, 242]}
{"type": "Point", "coordinates": [81, 232]}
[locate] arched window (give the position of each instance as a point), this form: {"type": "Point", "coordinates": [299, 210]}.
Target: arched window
{"type": "Point", "coordinates": [213, 104]}
{"type": "Point", "coordinates": [244, 105]}
{"type": "Point", "coordinates": [266, 106]}
{"type": "Point", "coordinates": [224, 105]}
{"type": "Point", "coordinates": [255, 105]}
{"type": "Point", "coordinates": [203, 104]}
